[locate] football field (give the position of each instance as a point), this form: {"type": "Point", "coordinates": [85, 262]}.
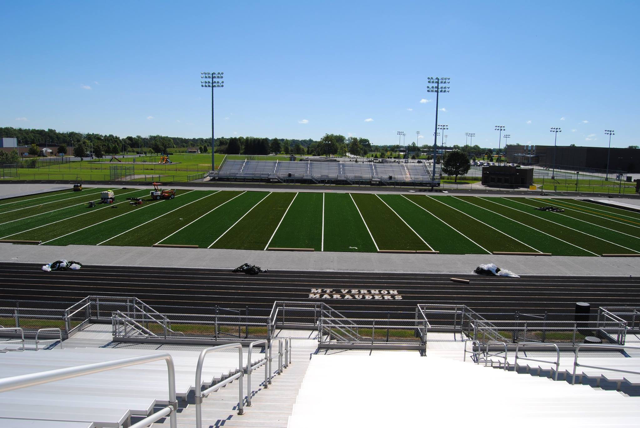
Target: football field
{"type": "Point", "coordinates": [343, 222]}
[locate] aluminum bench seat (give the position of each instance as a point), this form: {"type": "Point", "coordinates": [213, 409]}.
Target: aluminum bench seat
{"type": "Point", "coordinates": [26, 423]}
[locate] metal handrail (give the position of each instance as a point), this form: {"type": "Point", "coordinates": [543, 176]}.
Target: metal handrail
{"type": "Point", "coordinates": [119, 316]}
{"type": "Point", "coordinates": [33, 379]}
{"type": "Point", "coordinates": [250, 368]}
{"type": "Point", "coordinates": [48, 329]}
{"type": "Point", "coordinates": [487, 354]}
{"type": "Point", "coordinates": [18, 329]}
{"type": "Point", "coordinates": [524, 344]}
{"type": "Point", "coordinates": [591, 346]}
{"type": "Point", "coordinates": [200, 393]}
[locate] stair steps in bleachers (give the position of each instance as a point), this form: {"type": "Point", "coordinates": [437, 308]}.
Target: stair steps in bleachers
{"type": "Point", "coordinates": [407, 390]}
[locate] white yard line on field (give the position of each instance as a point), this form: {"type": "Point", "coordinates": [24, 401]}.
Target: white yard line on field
{"type": "Point", "coordinates": [406, 224]}
{"type": "Point", "coordinates": [104, 221]}
{"type": "Point", "coordinates": [46, 203]}
{"type": "Point", "coordinates": [580, 208]}
{"type": "Point", "coordinates": [526, 225]}
{"type": "Point", "coordinates": [365, 223]}
{"type": "Point", "coordinates": [278, 226]}
{"type": "Point", "coordinates": [203, 215]}
{"type": "Point", "coordinates": [599, 210]}
{"type": "Point", "coordinates": [562, 225]}
{"type": "Point", "coordinates": [68, 218]}
{"type": "Point", "coordinates": [155, 218]}
{"type": "Point", "coordinates": [447, 224]}
{"type": "Point", "coordinates": [225, 232]}
{"type": "Point", "coordinates": [488, 225]}
{"type": "Point", "coordinates": [40, 197]}
{"type": "Point", "coordinates": [322, 239]}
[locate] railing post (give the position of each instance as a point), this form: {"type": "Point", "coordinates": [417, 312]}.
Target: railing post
{"type": "Point", "coordinates": [67, 322]}
{"type": "Point", "coordinates": [280, 357]}
{"type": "Point", "coordinates": [373, 332]}
{"type": "Point", "coordinates": [164, 327]}
{"type": "Point", "coordinates": [16, 316]}
{"type": "Point", "coordinates": [575, 329]}
{"type": "Point", "coordinates": [246, 321]}
{"type": "Point", "coordinates": [544, 327]}
{"type": "Point", "coordinates": [98, 307]}
{"type": "Point", "coordinates": [270, 359]}
{"type": "Point", "coordinates": [388, 322]}
{"type": "Point", "coordinates": [215, 328]}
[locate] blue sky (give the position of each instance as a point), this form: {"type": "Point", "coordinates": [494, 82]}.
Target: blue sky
{"type": "Point", "coordinates": [302, 69]}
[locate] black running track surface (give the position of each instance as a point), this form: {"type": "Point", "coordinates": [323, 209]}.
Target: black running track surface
{"type": "Point", "coordinates": [198, 291]}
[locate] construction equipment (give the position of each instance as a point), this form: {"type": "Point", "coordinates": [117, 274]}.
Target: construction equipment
{"type": "Point", "coordinates": [77, 187]}
{"type": "Point", "coordinates": [135, 201]}
{"type": "Point", "coordinates": [158, 193]}
{"type": "Point", "coordinates": [107, 197]}
{"type": "Point", "coordinates": [165, 159]}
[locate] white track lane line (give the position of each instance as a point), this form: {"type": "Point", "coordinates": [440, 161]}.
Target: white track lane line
{"type": "Point", "coordinates": [104, 221]}
{"type": "Point", "coordinates": [394, 211]}
{"type": "Point", "coordinates": [594, 224]}
{"type": "Point", "coordinates": [225, 232]}
{"type": "Point", "coordinates": [68, 218]}
{"type": "Point", "coordinates": [447, 224]}
{"type": "Point", "coordinates": [322, 239]}
{"type": "Point", "coordinates": [526, 225]}
{"type": "Point", "coordinates": [281, 220]}
{"type": "Point", "coordinates": [155, 218]}
{"type": "Point", "coordinates": [44, 213]}
{"type": "Point", "coordinates": [579, 208]}
{"type": "Point", "coordinates": [562, 225]}
{"type": "Point", "coordinates": [167, 237]}
{"type": "Point", "coordinates": [488, 225]}
{"type": "Point", "coordinates": [365, 223]}
{"type": "Point", "coordinates": [46, 203]}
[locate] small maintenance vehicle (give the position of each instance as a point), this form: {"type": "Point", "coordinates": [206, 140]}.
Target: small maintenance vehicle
{"type": "Point", "coordinates": [157, 193]}
{"type": "Point", "coordinates": [107, 197]}
{"type": "Point", "coordinates": [77, 187]}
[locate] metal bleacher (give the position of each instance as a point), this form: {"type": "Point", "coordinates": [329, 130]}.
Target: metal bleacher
{"type": "Point", "coordinates": [328, 172]}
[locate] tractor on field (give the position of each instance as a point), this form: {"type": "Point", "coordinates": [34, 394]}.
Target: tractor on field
{"type": "Point", "coordinates": [157, 193]}
{"type": "Point", "coordinates": [107, 197]}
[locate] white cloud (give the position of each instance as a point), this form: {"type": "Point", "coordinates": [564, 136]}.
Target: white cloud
{"type": "Point", "coordinates": [528, 122]}
{"type": "Point", "coordinates": [420, 136]}
{"type": "Point", "coordinates": [528, 143]}
{"type": "Point", "coordinates": [424, 101]}
{"type": "Point", "coordinates": [226, 118]}
{"type": "Point", "coordinates": [178, 121]}
{"type": "Point", "coordinates": [85, 87]}
{"type": "Point", "coordinates": [96, 83]}
{"type": "Point", "coordinates": [150, 117]}
{"type": "Point", "coordinates": [585, 121]}
{"type": "Point", "coordinates": [574, 130]}
{"type": "Point", "coordinates": [303, 121]}
{"type": "Point", "coordinates": [562, 118]}
{"type": "Point", "coordinates": [443, 109]}
{"type": "Point", "coordinates": [409, 109]}
{"type": "Point", "coordinates": [368, 120]}
{"type": "Point", "coordinates": [591, 137]}
{"type": "Point", "coordinates": [21, 119]}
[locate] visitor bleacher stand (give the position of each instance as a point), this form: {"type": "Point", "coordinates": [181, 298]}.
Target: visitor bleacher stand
{"type": "Point", "coordinates": [328, 172]}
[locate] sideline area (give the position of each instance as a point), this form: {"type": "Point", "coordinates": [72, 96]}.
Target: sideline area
{"type": "Point", "coordinates": [317, 261]}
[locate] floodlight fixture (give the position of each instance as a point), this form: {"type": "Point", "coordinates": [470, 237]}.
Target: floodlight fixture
{"type": "Point", "coordinates": [608, 132]}
{"type": "Point", "coordinates": [212, 80]}
{"type": "Point", "coordinates": [555, 149]}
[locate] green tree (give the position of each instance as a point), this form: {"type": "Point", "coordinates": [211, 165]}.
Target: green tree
{"type": "Point", "coordinates": [233, 148]}
{"type": "Point", "coordinates": [275, 146]}
{"type": "Point", "coordinates": [98, 151]}
{"type": "Point", "coordinates": [355, 147]}
{"type": "Point", "coordinates": [79, 150]}
{"type": "Point", "coordinates": [33, 150]}
{"type": "Point", "coordinates": [62, 149]}
{"type": "Point", "coordinates": [456, 163]}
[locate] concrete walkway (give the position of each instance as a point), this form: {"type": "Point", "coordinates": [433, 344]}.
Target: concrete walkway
{"type": "Point", "coordinates": [317, 261]}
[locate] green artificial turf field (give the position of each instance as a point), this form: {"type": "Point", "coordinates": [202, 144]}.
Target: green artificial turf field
{"type": "Point", "coordinates": [343, 222]}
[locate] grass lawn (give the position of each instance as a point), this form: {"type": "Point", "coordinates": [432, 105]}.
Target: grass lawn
{"type": "Point", "coordinates": [388, 230]}
{"type": "Point", "coordinates": [14, 203]}
{"type": "Point", "coordinates": [206, 230]}
{"type": "Point", "coordinates": [302, 226]}
{"type": "Point", "coordinates": [591, 243]}
{"type": "Point", "coordinates": [254, 231]}
{"type": "Point", "coordinates": [605, 210]}
{"type": "Point", "coordinates": [547, 243]}
{"type": "Point", "coordinates": [40, 208]}
{"type": "Point", "coordinates": [343, 227]}
{"type": "Point", "coordinates": [436, 232]}
{"type": "Point", "coordinates": [482, 235]}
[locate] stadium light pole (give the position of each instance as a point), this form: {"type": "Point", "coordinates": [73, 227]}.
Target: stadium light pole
{"type": "Point", "coordinates": [212, 80]}
{"type": "Point", "coordinates": [499, 128]}
{"type": "Point", "coordinates": [506, 139]}
{"type": "Point", "coordinates": [555, 148]}
{"type": "Point", "coordinates": [437, 89]}
{"type": "Point", "coordinates": [442, 128]}
{"type": "Point", "coordinates": [608, 132]}
{"type": "Point", "coordinates": [400, 135]}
